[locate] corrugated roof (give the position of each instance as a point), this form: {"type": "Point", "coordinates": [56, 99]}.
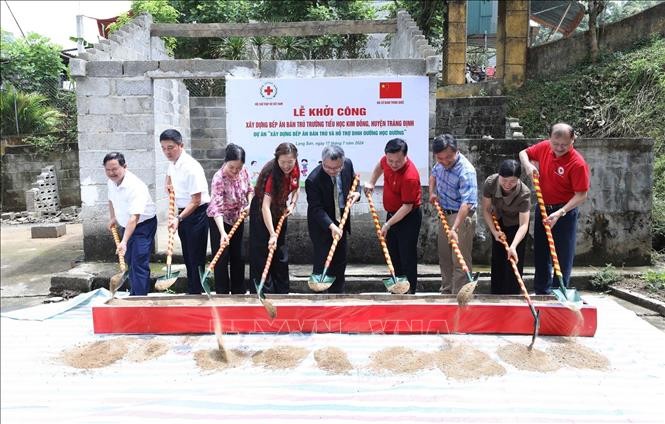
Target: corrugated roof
{"type": "Point", "coordinates": [561, 15]}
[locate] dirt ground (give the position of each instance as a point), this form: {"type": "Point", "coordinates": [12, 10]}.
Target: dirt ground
{"type": "Point", "coordinates": [640, 286]}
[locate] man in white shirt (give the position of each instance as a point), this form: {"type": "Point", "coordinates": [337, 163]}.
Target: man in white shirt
{"type": "Point", "coordinates": [131, 208]}
{"type": "Point", "coordinates": [186, 177]}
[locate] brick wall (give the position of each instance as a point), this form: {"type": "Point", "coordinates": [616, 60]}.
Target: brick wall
{"type": "Point", "coordinates": [21, 165]}
{"type": "Point", "coordinates": [208, 124]}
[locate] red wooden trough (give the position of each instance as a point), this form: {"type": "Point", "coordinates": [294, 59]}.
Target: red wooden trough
{"type": "Point", "coordinates": [321, 313]}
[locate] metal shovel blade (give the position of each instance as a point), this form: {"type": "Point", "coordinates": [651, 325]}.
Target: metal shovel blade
{"type": "Point", "coordinates": [465, 294]}
{"type": "Point", "coordinates": [397, 284]}
{"type": "Point", "coordinates": [570, 298]}
{"type": "Point", "coordinates": [205, 281]}
{"type": "Point", "coordinates": [269, 307]}
{"type": "Point", "coordinates": [166, 281]}
{"type": "Point", "coordinates": [117, 281]}
{"type": "Point", "coordinates": [320, 282]}
{"type": "Point", "coordinates": [536, 326]}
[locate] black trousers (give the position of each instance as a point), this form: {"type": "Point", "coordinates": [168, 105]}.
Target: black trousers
{"type": "Point", "coordinates": [321, 242]}
{"type": "Point", "coordinates": [193, 233]}
{"type": "Point", "coordinates": [277, 280]}
{"type": "Point", "coordinates": [503, 280]}
{"type": "Point", "coordinates": [403, 246]}
{"type": "Point", "coordinates": [231, 260]}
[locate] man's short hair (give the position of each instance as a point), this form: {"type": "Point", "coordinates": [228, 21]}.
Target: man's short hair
{"type": "Point", "coordinates": [172, 135]}
{"type": "Point", "coordinates": [332, 152]}
{"type": "Point", "coordinates": [561, 128]}
{"type": "Point", "coordinates": [443, 142]}
{"type": "Point", "coordinates": [115, 156]}
{"type": "Point", "coordinates": [396, 145]}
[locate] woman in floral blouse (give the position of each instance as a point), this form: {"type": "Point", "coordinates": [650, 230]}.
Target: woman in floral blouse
{"type": "Point", "coordinates": [231, 192]}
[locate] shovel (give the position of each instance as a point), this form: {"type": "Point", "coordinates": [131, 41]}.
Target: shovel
{"type": "Point", "coordinates": [205, 277]}
{"type": "Point", "coordinates": [570, 298]}
{"type": "Point", "coordinates": [321, 282]}
{"type": "Point", "coordinates": [118, 279]}
{"type": "Point", "coordinates": [396, 285]}
{"type": "Point", "coordinates": [166, 281]}
{"type": "Point", "coordinates": [270, 308]}
{"type": "Point", "coordinates": [536, 315]}
{"type": "Point", "coordinates": [466, 292]}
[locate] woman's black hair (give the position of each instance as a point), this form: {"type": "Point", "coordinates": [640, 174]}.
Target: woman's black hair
{"type": "Point", "coordinates": [234, 152]}
{"type": "Point", "coordinates": [510, 168]}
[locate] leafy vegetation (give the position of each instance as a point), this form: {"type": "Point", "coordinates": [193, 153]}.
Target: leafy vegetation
{"type": "Point", "coordinates": [26, 113]}
{"type": "Point", "coordinates": [655, 280]}
{"type": "Point", "coordinates": [604, 278]}
{"type": "Point", "coordinates": [32, 63]}
{"type": "Point", "coordinates": [621, 96]}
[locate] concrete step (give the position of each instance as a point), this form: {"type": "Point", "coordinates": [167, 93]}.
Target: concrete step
{"type": "Point", "coordinates": [359, 279]}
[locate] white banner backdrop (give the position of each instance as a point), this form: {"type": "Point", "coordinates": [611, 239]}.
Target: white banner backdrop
{"type": "Point", "coordinates": [359, 114]}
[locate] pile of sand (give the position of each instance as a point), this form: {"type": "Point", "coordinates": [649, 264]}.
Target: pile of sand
{"type": "Point", "coordinates": [212, 359]}
{"type": "Point", "coordinates": [280, 357]}
{"type": "Point", "coordinates": [97, 354]}
{"type": "Point", "coordinates": [578, 356]}
{"type": "Point", "coordinates": [146, 350]}
{"type": "Point", "coordinates": [400, 360]}
{"type": "Point", "coordinates": [522, 358]}
{"type": "Point", "coordinates": [464, 362]}
{"type": "Point", "coordinates": [333, 360]}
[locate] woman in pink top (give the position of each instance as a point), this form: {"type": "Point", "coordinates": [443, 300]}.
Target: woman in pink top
{"type": "Point", "coordinates": [231, 192]}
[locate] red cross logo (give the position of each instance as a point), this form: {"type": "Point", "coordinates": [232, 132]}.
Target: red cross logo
{"type": "Point", "coordinates": [268, 90]}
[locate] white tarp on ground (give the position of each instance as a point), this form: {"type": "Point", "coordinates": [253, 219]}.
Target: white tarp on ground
{"type": "Point", "coordinates": [38, 387]}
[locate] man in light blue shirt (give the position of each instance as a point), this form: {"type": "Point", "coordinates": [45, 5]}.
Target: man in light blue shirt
{"type": "Point", "coordinates": [453, 183]}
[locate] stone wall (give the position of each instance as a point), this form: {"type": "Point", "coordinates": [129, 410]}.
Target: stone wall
{"type": "Point", "coordinates": [21, 165]}
{"type": "Point", "coordinates": [120, 109]}
{"type": "Point", "coordinates": [208, 121]}
{"type": "Point", "coordinates": [471, 117]}
{"type": "Point", "coordinates": [614, 224]}
{"type": "Point", "coordinates": [557, 56]}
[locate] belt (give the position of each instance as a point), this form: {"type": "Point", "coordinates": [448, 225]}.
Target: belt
{"type": "Point", "coordinates": [552, 208]}
{"type": "Point", "coordinates": [205, 205]}
{"type": "Point", "coordinates": [450, 211]}
{"type": "Point", "coordinates": [147, 221]}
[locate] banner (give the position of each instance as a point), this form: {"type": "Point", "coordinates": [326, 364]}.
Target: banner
{"type": "Point", "coordinates": [359, 114]}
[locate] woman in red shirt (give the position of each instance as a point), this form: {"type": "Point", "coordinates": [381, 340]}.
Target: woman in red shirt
{"type": "Point", "coordinates": [278, 181]}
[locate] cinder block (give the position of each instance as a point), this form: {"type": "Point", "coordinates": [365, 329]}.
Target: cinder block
{"type": "Point", "coordinates": [139, 68]}
{"type": "Point", "coordinates": [77, 67]}
{"type": "Point", "coordinates": [48, 231]}
{"type": "Point", "coordinates": [93, 87]}
{"type": "Point", "coordinates": [104, 69]}
{"type": "Point", "coordinates": [141, 87]}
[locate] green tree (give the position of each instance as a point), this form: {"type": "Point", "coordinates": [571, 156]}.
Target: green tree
{"type": "Point", "coordinates": [26, 113]}
{"type": "Point", "coordinates": [32, 63]}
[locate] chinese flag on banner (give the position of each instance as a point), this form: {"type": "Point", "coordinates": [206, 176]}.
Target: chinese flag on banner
{"type": "Point", "coordinates": [390, 90]}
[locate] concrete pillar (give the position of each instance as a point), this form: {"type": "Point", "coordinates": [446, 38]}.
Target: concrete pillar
{"type": "Point", "coordinates": [456, 45]}
{"type": "Point", "coordinates": [512, 41]}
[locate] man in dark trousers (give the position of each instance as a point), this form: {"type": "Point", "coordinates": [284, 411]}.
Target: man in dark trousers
{"type": "Point", "coordinates": [186, 177]}
{"type": "Point", "coordinates": [402, 196]}
{"type": "Point", "coordinates": [327, 188]}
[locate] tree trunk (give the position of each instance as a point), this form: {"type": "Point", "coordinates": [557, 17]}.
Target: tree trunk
{"type": "Point", "coordinates": [595, 9]}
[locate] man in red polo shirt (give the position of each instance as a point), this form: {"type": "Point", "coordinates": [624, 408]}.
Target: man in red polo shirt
{"type": "Point", "coordinates": [402, 196]}
{"type": "Point", "coordinates": [564, 182]}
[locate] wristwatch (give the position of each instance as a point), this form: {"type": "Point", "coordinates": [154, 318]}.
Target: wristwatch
{"type": "Point", "coordinates": [179, 218]}
{"type": "Point", "coordinates": [563, 209]}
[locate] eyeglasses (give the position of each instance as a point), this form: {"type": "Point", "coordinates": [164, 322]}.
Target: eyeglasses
{"type": "Point", "coordinates": [331, 169]}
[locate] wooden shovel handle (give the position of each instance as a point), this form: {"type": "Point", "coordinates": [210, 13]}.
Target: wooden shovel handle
{"type": "Point", "coordinates": [504, 242]}
{"type": "Point", "coordinates": [377, 226]}
{"type": "Point", "coordinates": [169, 244]}
{"type": "Point", "coordinates": [226, 242]}
{"type": "Point", "coordinates": [121, 257]}
{"type": "Point", "coordinates": [548, 228]}
{"type": "Point", "coordinates": [345, 215]}
{"type": "Point", "coordinates": [451, 240]}
{"type": "Point", "coordinates": [271, 249]}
